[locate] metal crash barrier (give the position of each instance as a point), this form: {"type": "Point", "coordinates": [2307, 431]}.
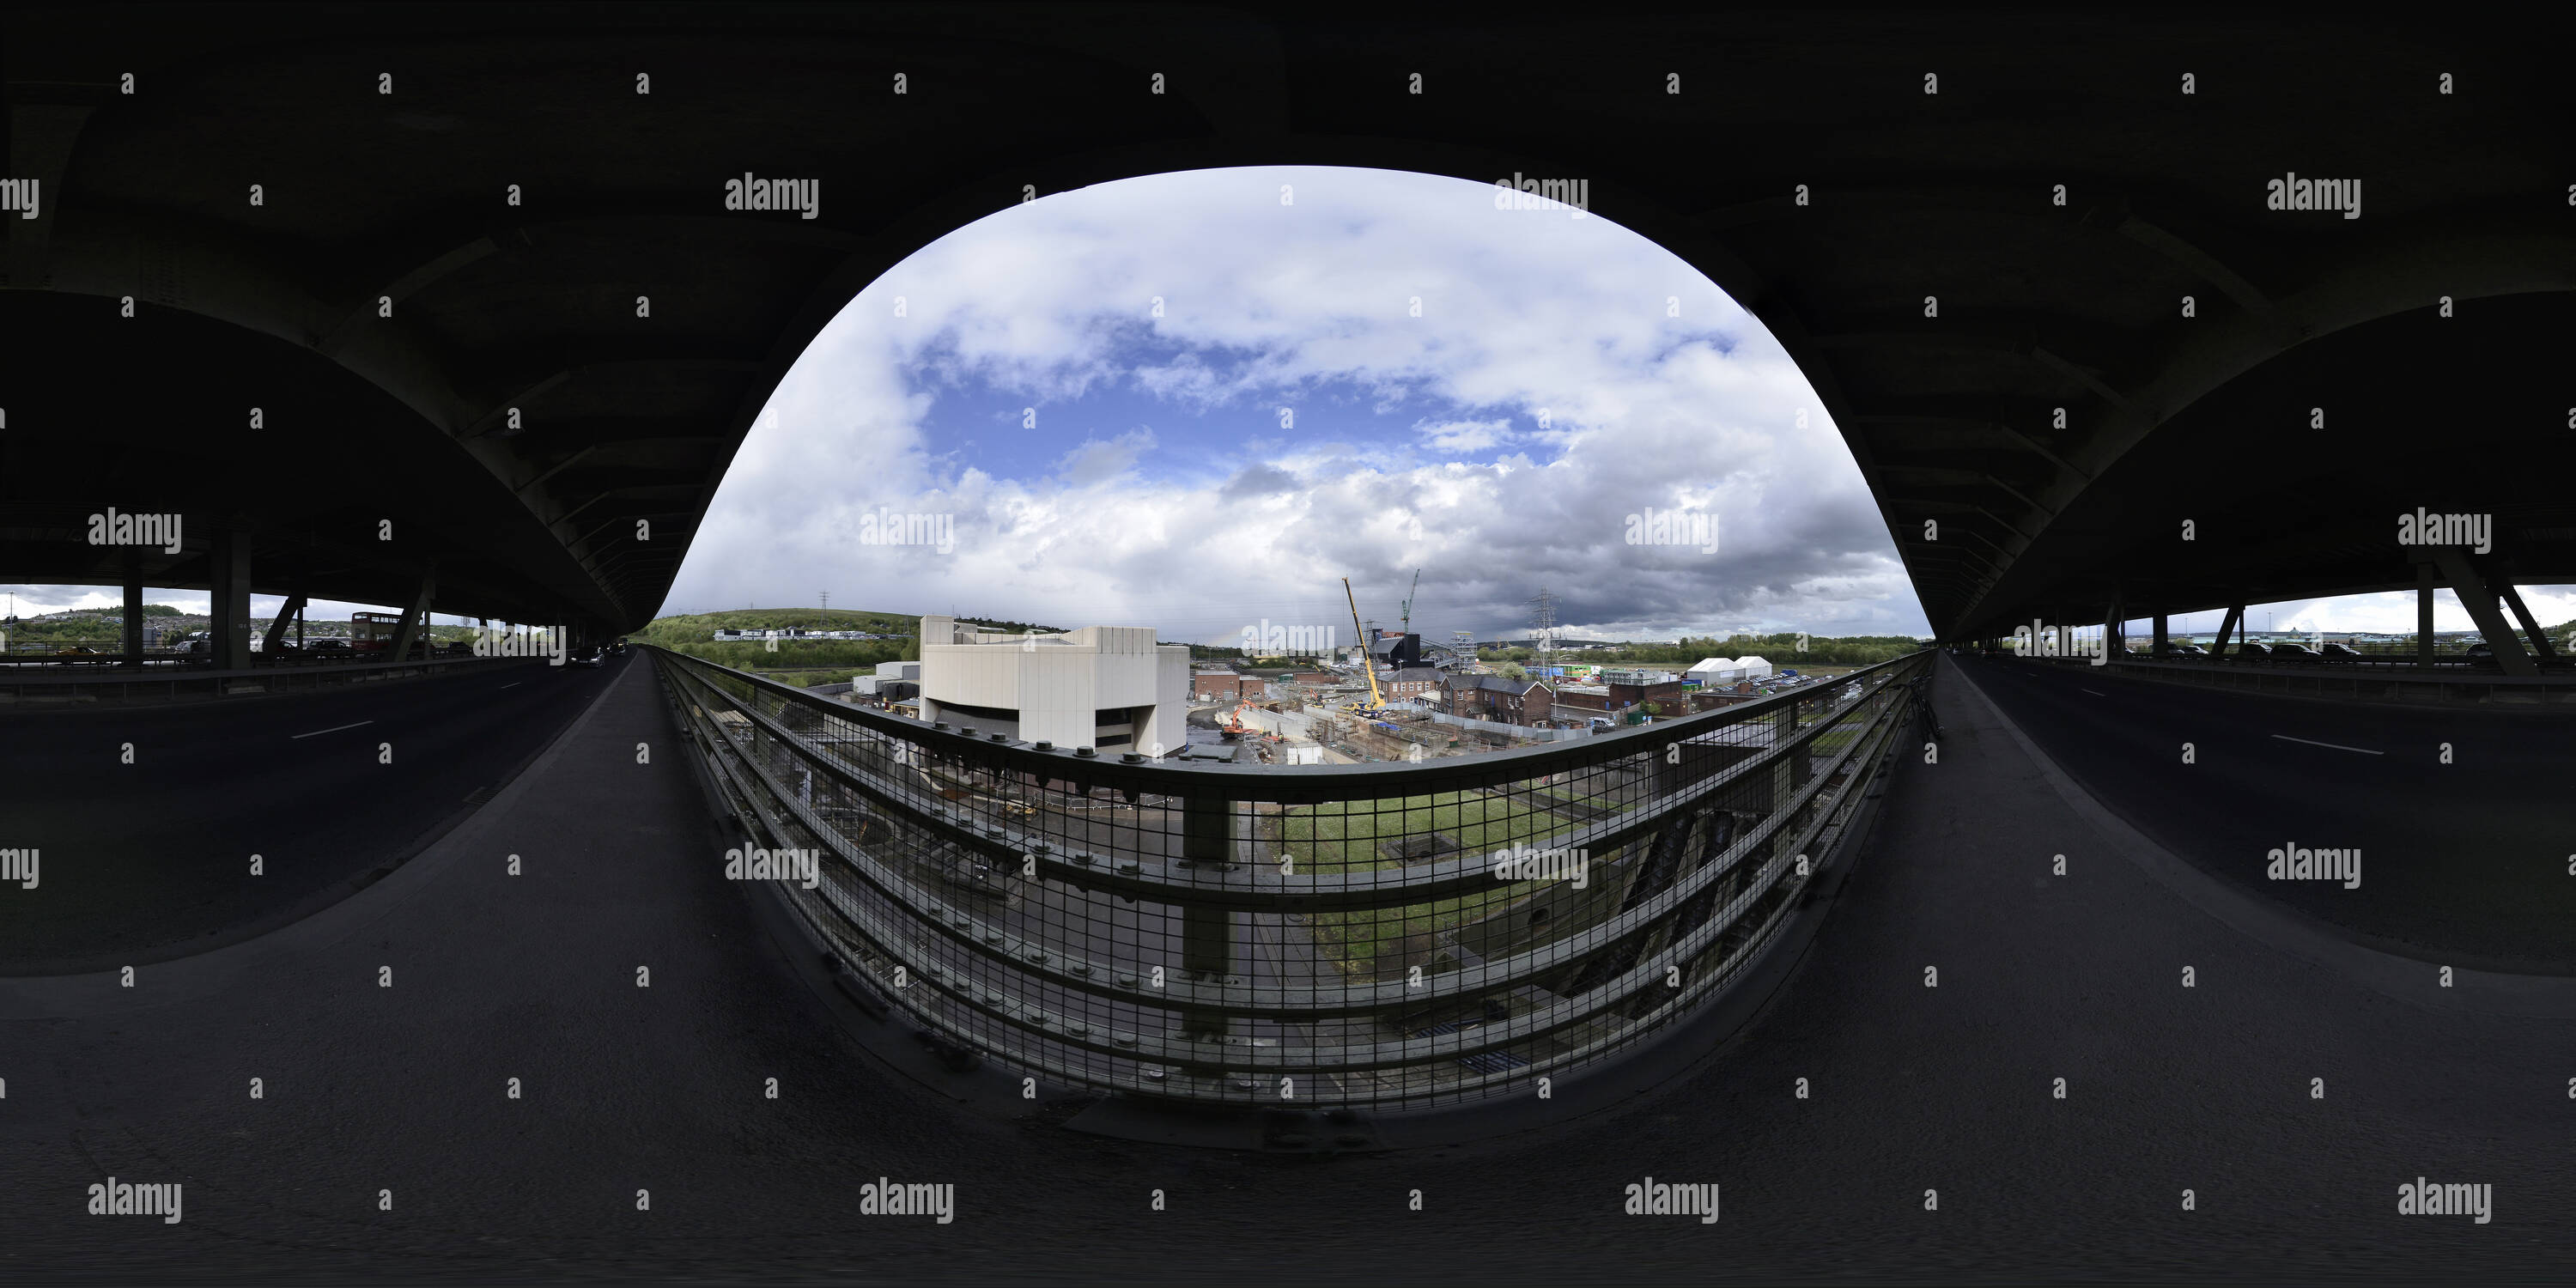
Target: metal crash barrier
{"type": "Point", "coordinates": [1396, 936]}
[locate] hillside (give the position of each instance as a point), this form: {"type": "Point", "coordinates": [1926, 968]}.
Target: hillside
{"type": "Point", "coordinates": [799, 661]}
{"type": "Point", "coordinates": [700, 627]}
{"type": "Point", "coordinates": [703, 626]}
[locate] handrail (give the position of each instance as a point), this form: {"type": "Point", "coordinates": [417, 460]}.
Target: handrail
{"type": "Point", "coordinates": [1128, 954]}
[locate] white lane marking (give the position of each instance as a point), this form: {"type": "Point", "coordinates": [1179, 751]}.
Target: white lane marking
{"type": "Point", "coordinates": [2336, 745]}
{"type": "Point", "coordinates": [511, 685]}
{"type": "Point", "coordinates": [333, 729]}
{"type": "Point", "coordinates": [2097, 693]}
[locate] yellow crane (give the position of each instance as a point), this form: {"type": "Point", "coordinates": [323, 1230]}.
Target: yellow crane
{"type": "Point", "coordinates": [1368, 663]}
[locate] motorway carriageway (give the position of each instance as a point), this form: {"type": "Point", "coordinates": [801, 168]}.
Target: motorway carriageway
{"type": "Point", "coordinates": [2465, 863]}
{"type": "Point", "coordinates": [2289, 1098]}
{"type": "Point", "coordinates": [148, 861]}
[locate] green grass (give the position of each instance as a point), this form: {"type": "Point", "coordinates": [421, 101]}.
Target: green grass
{"type": "Point", "coordinates": [1344, 838]}
{"type": "Point", "coordinates": [843, 657]}
{"type": "Point", "coordinates": [1563, 793]}
{"type": "Point", "coordinates": [694, 634]}
{"type": "Point", "coordinates": [703, 626]}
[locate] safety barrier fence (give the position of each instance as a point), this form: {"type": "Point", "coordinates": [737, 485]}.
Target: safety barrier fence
{"type": "Point", "coordinates": [1399, 935]}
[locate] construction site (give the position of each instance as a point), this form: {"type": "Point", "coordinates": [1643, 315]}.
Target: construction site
{"type": "Point", "coordinates": [1392, 699]}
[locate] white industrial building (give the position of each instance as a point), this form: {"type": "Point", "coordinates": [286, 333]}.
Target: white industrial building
{"type": "Point", "coordinates": [1718, 670]}
{"type": "Point", "coordinates": [1110, 687]}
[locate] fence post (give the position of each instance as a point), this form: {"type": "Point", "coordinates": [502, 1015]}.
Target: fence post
{"type": "Point", "coordinates": [1207, 934]}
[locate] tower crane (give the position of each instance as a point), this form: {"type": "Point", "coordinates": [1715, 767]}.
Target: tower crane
{"type": "Point", "coordinates": [1368, 664]}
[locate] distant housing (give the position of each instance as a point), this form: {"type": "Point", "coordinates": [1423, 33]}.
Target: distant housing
{"type": "Point", "coordinates": [798, 633]}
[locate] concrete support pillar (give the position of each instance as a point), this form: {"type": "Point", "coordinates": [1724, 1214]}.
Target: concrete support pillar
{"type": "Point", "coordinates": [415, 622]}
{"type": "Point", "coordinates": [2115, 628]}
{"type": "Point", "coordinates": [2453, 563]}
{"type": "Point", "coordinates": [228, 619]}
{"type": "Point", "coordinates": [2228, 629]}
{"type": "Point", "coordinates": [132, 575]}
{"type": "Point", "coordinates": [2540, 644]}
{"type": "Point", "coordinates": [292, 608]}
{"type": "Point", "coordinates": [2157, 649]}
{"type": "Point", "coordinates": [2424, 585]}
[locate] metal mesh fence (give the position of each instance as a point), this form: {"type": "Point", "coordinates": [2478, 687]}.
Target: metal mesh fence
{"type": "Point", "coordinates": [1394, 935]}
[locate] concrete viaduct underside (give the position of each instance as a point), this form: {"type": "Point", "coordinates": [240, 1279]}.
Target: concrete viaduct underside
{"type": "Point", "coordinates": [472, 266]}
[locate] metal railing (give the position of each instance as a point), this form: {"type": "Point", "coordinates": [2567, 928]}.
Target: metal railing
{"type": "Point", "coordinates": [1317, 936]}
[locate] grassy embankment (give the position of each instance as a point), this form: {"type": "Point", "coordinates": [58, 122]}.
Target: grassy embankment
{"type": "Point", "coordinates": [806, 662]}
{"type": "Point", "coordinates": [1344, 837]}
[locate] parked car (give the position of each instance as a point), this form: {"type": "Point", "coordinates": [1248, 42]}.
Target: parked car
{"type": "Point", "coordinates": [330, 644]}
{"type": "Point", "coordinates": [2251, 650]}
{"type": "Point", "coordinates": [2181, 648]}
{"type": "Point", "coordinates": [2338, 653]}
{"type": "Point", "coordinates": [2292, 653]}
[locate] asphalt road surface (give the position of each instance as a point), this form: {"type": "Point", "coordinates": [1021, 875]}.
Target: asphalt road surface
{"type": "Point", "coordinates": [150, 860]}
{"type": "Point", "coordinates": [2289, 1100]}
{"type": "Point", "coordinates": [2465, 862]}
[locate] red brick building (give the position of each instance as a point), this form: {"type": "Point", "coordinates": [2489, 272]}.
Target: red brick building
{"type": "Point", "coordinates": [1226, 686]}
{"type": "Point", "coordinates": [1493, 697]}
{"type": "Point", "coordinates": [1413, 682]}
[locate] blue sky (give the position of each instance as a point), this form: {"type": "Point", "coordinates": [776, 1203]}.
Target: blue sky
{"type": "Point", "coordinates": [1485, 395]}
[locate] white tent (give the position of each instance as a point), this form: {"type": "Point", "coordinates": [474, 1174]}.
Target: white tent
{"type": "Point", "coordinates": [1751, 668]}
{"type": "Point", "coordinates": [1713, 670]}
